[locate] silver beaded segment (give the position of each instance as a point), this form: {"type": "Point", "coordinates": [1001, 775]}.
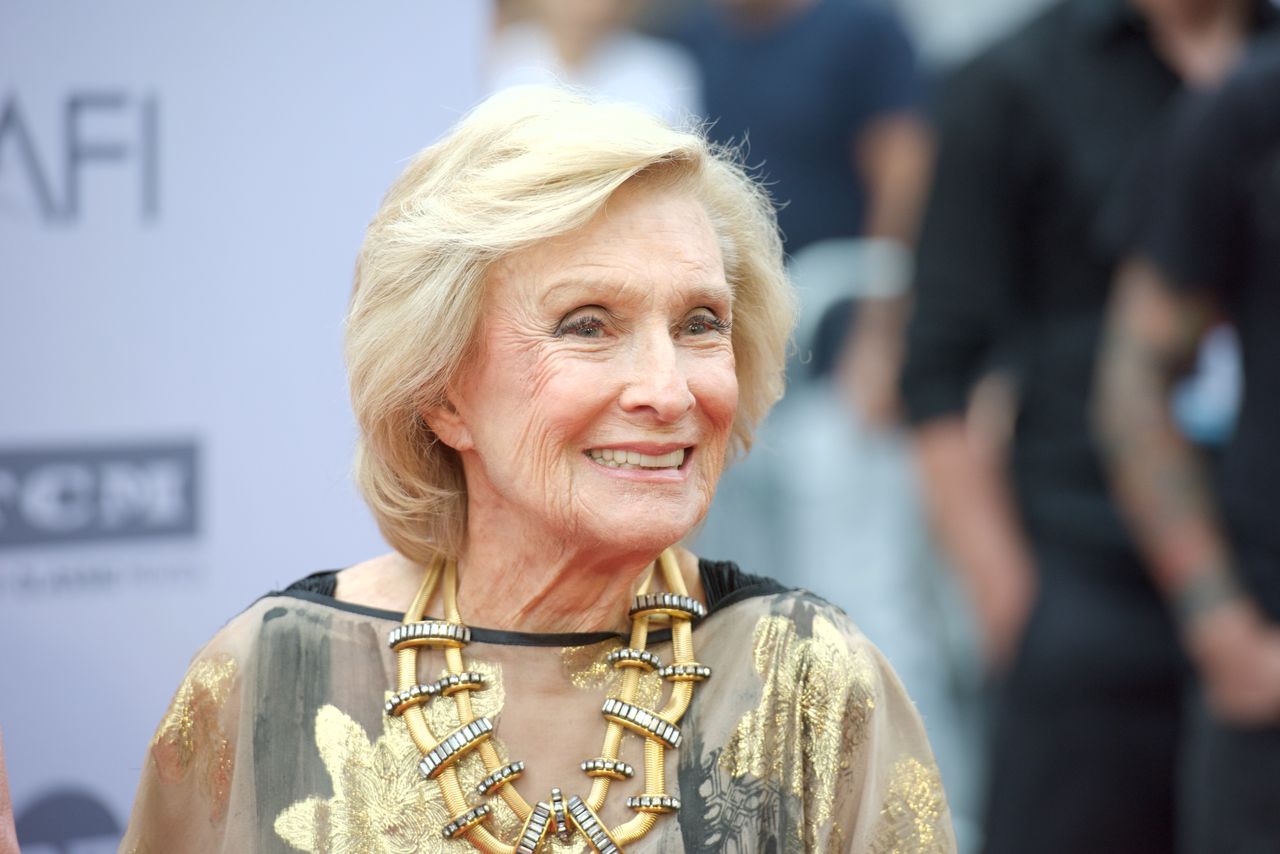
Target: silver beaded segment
{"type": "Point", "coordinates": [691, 672]}
{"type": "Point", "coordinates": [535, 827]}
{"type": "Point", "coordinates": [499, 778]}
{"type": "Point", "coordinates": [654, 803]}
{"type": "Point", "coordinates": [668, 603]}
{"type": "Point", "coordinates": [642, 721]}
{"type": "Point", "coordinates": [592, 828]}
{"type": "Point", "coordinates": [429, 633]}
{"type": "Point", "coordinates": [444, 686]}
{"type": "Point", "coordinates": [471, 680]}
{"type": "Point", "coordinates": [604, 767]}
{"type": "Point", "coordinates": [455, 746]}
{"type": "Point", "coordinates": [558, 815]}
{"type": "Point", "coordinates": [640, 658]}
{"type": "Point", "coordinates": [413, 696]}
{"type": "Point", "coordinates": [466, 821]}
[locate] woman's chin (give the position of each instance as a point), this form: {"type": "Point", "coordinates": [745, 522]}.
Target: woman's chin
{"type": "Point", "coordinates": [643, 530]}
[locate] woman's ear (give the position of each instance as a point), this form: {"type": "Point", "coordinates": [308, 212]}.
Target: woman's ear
{"type": "Point", "coordinates": [447, 423]}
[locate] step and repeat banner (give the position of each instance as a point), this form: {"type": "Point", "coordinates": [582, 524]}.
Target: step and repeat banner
{"type": "Point", "coordinates": [183, 187]}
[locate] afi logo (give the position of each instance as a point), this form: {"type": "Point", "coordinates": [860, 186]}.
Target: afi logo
{"type": "Point", "coordinates": [54, 173]}
{"type": "Point", "coordinates": [78, 494]}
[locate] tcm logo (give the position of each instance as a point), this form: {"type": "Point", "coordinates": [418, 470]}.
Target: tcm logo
{"type": "Point", "coordinates": [50, 496]}
{"type": "Point", "coordinates": [98, 129]}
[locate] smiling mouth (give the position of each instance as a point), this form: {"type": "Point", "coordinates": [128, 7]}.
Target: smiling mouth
{"type": "Point", "coordinates": [617, 458]}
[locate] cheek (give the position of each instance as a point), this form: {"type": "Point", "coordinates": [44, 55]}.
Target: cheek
{"type": "Point", "coordinates": [716, 389]}
{"type": "Point", "coordinates": [725, 388]}
{"type": "Point", "coordinates": [556, 398]}
{"type": "Point", "coordinates": [516, 397]}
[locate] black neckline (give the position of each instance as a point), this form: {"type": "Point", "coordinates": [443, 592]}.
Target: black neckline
{"type": "Point", "coordinates": [722, 581]}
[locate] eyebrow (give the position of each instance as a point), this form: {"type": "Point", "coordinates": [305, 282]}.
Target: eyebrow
{"type": "Point", "coordinates": [704, 292]}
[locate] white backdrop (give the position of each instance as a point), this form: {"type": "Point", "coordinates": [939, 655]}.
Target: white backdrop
{"type": "Point", "coordinates": [182, 191]}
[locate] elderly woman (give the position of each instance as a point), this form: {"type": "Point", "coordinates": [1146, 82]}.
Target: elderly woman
{"type": "Point", "coordinates": [566, 317]}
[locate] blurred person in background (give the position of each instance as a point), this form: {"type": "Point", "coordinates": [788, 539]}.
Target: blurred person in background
{"type": "Point", "coordinates": [1210, 246]}
{"type": "Point", "coordinates": [1035, 135]}
{"type": "Point", "coordinates": [589, 44]}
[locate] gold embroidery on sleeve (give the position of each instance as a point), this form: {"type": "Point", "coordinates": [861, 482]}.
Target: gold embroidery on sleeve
{"type": "Point", "coordinates": [816, 699]}
{"type": "Point", "coordinates": [911, 821]}
{"type": "Point", "coordinates": [191, 734]}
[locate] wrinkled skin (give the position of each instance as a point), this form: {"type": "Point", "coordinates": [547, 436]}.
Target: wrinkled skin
{"type": "Point", "coordinates": [615, 335]}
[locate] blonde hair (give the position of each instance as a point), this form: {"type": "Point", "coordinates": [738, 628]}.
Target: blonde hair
{"type": "Point", "coordinates": [526, 165]}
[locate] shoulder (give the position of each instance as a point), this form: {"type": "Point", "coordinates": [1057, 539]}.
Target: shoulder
{"type": "Point", "coordinates": [724, 584]}
{"type": "Point", "coordinates": [810, 685]}
{"type": "Point", "coordinates": [294, 621]}
{"type": "Point", "coordinates": [234, 648]}
{"type": "Point", "coordinates": [191, 755]}
{"type": "Point", "coordinates": [237, 639]}
{"type": "Point", "coordinates": [810, 614]}
{"type": "Point", "coordinates": [785, 621]}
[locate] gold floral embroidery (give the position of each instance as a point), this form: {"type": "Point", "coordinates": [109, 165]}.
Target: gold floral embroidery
{"type": "Point", "coordinates": [588, 669]}
{"type": "Point", "coordinates": [380, 803]}
{"type": "Point", "coordinates": [191, 734]}
{"type": "Point", "coordinates": [911, 821]}
{"type": "Point", "coordinates": [816, 699]}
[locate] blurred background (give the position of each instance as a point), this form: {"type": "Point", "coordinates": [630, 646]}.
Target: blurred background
{"type": "Point", "coordinates": [182, 192]}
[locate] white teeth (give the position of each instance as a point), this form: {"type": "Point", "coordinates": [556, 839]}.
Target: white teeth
{"type": "Point", "coordinates": [620, 459]}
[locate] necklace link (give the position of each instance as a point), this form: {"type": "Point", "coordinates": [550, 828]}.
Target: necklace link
{"type": "Point", "coordinates": [455, 746]}
{"type": "Point", "coordinates": [434, 633]}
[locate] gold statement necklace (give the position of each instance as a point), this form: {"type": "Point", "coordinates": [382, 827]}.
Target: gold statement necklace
{"type": "Point", "coordinates": [556, 815]}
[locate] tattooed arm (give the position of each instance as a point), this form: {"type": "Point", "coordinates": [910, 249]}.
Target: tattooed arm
{"type": "Point", "coordinates": [1163, 489]}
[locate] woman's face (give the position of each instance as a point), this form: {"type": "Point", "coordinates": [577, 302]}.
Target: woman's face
{"type": "Point", "coordinates": [600, 406]}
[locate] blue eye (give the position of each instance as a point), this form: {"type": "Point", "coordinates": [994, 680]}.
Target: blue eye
{"type": "Point", "coordinates": [584, 326]}
{"type": "Point", "coordinates": [701, 324]}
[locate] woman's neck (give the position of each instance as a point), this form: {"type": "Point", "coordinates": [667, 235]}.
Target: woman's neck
{"type": "Point", "coordinates": [521, 578]}
{"type": "Point", "coordinates": [506, 594]}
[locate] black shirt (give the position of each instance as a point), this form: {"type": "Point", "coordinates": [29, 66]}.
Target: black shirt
{"type": "Point", "coordinates": [1215, 226]}
{"type": "Point", "coordinates": [1036, 136]}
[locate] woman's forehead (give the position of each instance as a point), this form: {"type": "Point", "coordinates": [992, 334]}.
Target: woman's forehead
{"type": "Point", "coordinates": [644, 240]}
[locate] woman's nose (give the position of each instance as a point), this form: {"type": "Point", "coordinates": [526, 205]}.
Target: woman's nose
{"type": "Point", "coordinates": [657, 382]}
